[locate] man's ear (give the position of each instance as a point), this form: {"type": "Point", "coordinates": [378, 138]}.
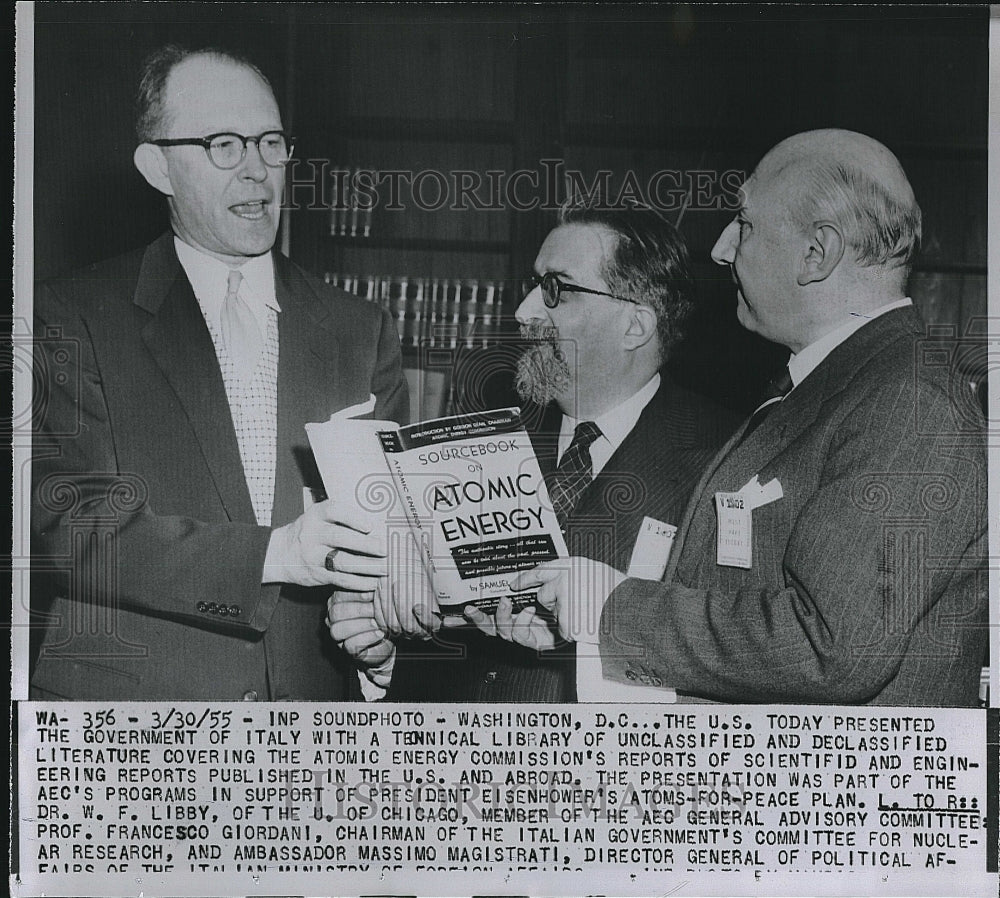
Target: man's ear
{"type": "Point", "coordinates": [824, 252]}
{"type": "Point", "coordinates": [641, 327]}
{"type": "Point", "coordinates": [153, 166]}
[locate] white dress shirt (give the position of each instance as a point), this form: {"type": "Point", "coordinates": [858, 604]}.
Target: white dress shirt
{"type": "Point", "coordinates": [614, 425]}
{"type": "Point", "coordinates": [207, 273]}
{"type": "Point", "coordinates": [804, 362]}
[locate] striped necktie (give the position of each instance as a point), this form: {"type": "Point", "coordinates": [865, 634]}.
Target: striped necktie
{"type": "Point", "coordinates": [574, 473]}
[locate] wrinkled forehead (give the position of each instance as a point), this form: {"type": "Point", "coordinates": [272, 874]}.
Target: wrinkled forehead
{"type": "Point", "coordinates": [205, 94]}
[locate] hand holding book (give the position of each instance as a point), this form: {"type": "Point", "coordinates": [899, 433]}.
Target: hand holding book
{"type": "Point", "coordinates": [466, 489]}
{"type": "Point", "coordinates": [351, 620]}
{"type": "Point", "coordinates": [298, 552]}
{"type": "Point", "coordinates": [572, 590]}
{"type": "Point", "coordinates": [404, 605]}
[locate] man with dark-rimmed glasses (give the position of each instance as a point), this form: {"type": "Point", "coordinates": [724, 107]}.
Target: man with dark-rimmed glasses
{"type": "Point", "coordinates": [178, 438]}
{"type": "Point", "coordinates": [620, 444]}
{"type": "Point", "coordinates": [836, 550]}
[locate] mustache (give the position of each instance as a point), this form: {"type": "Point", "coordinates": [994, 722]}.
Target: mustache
{"type": "Point", "coordinates": [536, 332]}
{"type": "Point", "coordinates": [541, 337]}
{"type": "Point", "coordinates": [542, 371]}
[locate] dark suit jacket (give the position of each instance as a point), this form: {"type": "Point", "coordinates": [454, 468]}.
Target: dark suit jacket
{"type": "Point", "coordinates": [142, 521]}
{"type": "Point", "coordinates": [652, 473]}
{"type": "Point", "coordinates": [868, 581]}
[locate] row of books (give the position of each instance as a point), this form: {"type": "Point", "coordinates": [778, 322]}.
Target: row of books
{"type": "Point", "coordinates": [350, 215]}
{"type": "Point", "coordinates": [435, 312]}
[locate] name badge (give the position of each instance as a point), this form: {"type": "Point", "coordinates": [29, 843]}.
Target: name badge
{"type": "Point", "coordinates": [651, 551]}
{"type": "Point", "coordinates": [735, 531]}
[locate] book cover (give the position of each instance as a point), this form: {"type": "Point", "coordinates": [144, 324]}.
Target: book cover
{"type": "Point", "coordinates": [468, 487]}
{"type": "Point", "coordinates": [475, 498]}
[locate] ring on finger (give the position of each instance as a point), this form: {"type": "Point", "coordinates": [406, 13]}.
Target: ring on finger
{"type": "Point", "coordinates": [330, 562]}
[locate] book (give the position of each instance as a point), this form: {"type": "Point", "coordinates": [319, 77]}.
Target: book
{"type": "Point", "coordinates": [467, 486]}
{"type": "Point", "coordinates": [435, 313]}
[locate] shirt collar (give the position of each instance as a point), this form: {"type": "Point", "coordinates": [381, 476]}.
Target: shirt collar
{"type": "Point", "coordinates": [209, 276]}
{"type": "Point", "coordinates": [617, 423]}
{"type": "Point", "coordinates": [804, 362]}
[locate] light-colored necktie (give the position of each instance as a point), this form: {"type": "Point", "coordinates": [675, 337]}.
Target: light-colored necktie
{"type": "Point", "coordinates": [240, 331]}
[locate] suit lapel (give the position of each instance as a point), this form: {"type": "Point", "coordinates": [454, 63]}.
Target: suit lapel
{"type": "Point", "coordinates": [734, 465]}
{"type": "Point", "coordinates": [179, 341]}
{"type": "Point", "coordinates": [308, 385]}
{"type": "Point", "coordinates": [545, 439]}
{"type": "Point", "coordinates": [790, 417]}
{"type": "Point", "coordinates": [620, 480]}
{"type": "Point", "coordinates": [618, 496]}
{"type": "Point", "coordinates": [650, 472]}
{"type": "Point", "coordinates": [800, 409]}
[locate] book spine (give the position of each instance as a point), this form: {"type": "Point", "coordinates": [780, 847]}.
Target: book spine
{"type": "Point", "coordinates": [433, 312]}
{"type": "Point", "coordinates": [488, 317]}
{"type": "Point", "coordinates": [453, 294]}
{"type": "Point", "coordinates": [408, 503]}
{"type": "Point", "coordinates": [415, 312]}
{"type": "Point", "coordinates": [433, 319]}
{"type": "Point", "coordinates": [396, 291]}
{"type": "Point", "coordinates": [470, 309]}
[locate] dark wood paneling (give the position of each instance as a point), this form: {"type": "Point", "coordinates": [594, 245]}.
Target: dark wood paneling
{"type": "Point", "coordinates": [455, 70]}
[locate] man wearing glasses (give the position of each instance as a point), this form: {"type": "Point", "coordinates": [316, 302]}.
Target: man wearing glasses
{"type": "Point", "coordinates": [169, 469]}
{"type": "Point", "coordinates": [836, 550]}
{"type": "Point", "coordinates": [620, 444]}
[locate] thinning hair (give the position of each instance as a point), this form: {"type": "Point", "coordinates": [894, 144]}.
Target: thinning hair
{"type": "Point", "coordinates": [882, 227]}
{"type": "Point", "coordinates": [150, 97]}
{"type": "Point", "coordinates": [649, 263]}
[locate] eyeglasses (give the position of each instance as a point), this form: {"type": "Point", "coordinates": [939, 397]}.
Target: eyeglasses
{"type": "Point", "coordinates": [552, 289]}
{"type": "Point", "coordinates": [227, 150]}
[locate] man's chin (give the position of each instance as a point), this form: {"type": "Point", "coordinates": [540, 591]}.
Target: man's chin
{"type": "Point", "coordinates": [259, 245]}
{"type": "Point", "coordinates": [749, 322]}
{"type": "Point", "coordinates": [254, 238]}
{"type": "Point", "coordinates": [531, 391]}
{"type": "Point", "coordinates": [541, 376]}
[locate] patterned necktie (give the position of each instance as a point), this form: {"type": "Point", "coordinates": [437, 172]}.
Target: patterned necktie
{"type": "Point", "coordinates": [240, 331]}
{"type": "Point", "coordinates": [574, 472]}
{"type": "Point", "coordinates": [777, 389]}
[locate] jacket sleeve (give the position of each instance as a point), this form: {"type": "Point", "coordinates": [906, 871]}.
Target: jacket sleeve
{"type": "Point", "coordinates": [94, 535]}
{"type": "Point", "coordinates": [892, 533]}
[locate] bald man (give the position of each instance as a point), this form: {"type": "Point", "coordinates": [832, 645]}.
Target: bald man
{"type": "Point", "coordinates": [834, 551]}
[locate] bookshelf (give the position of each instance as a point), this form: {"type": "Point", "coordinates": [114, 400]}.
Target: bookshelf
{"type": "Point", "coordinates": [503, 86]}
{"type": "Point", "coordinates": [501, 89]}
{"type": "Point", "coordinates": [439, 96]}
